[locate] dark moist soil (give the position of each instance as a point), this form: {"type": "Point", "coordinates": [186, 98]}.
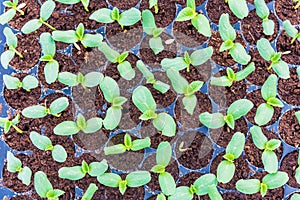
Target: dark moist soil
{"type": "Point", "coordinates": [289, 89]}
{"type": "Point", "coordinates": [285, 11]}
{"type": "Point", "coordinates": [289, 165]}
{"type": "Point", "coordinates": [197, 73]}
{"type": "Point", "coordinates": [183, 2]}
{"type": "Point", "coordinates": [162, 100]}
{"type": "Point", "coordinates": [284, 45]}
{"type": "Point", "coordinates": [216, 8]}
{"type": "Point", "coordinates": [166, 12]}
{"type": "Point", "coordinates": [253, 30]}
{"type": "Point", "coordinates": [197, 150]}
{"type": "Point", "coordinates": [241, 171]}
{"type": "Point", "coordinates": [124, 5]}
{"type": "Point", "coordinates": [20, 98]}
{"type": "Point", "coordinates": [234, 195]}
{"type": "Point", "coordinates": [253, 154]}
{"type": "Point", "coordinates": [256, 98]}
{"type": "Point", "coordinates": [223, 58]}
{"type": "Point", "coordinates": [289, 128]}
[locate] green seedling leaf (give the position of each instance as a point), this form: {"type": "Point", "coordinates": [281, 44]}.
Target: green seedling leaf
{"type": "Point", "coordinates": [8, 15]}
{"type": "Point", "coordinates": [264, 114]}
{"type": "Point", "coordinates": [291, 31]}
{"type": "Point", "coordinates": [110, 89]}
{"type": "Point", "coordinates": [115, 149]}
{"type": "Point", "coordinates": [239, 108]}
{"type": "Point", "coordinates": [68, 37]}
{"type": "Point", "coordinates": [58, 105]}
{"type": "Point", "coordinates": [156, 45]}
{"type": "Point", "coordinates": [92, 79]}
{"type": "Point", "coordinates": [270, 161]}
{"type": "Point", "coordinates": [227, 32]}
{"type": "Point", "coordinates": [41, 142]}
{"type": "Point", "coordinates": [268, 27]}
{"type": "Point", "coordinates": [66, 128]}
{"type": "Point", "coordinates": [281, 68]}
{"type": "Point", "coordinates": [203, 183]}
{"type": "Point", "coordinates": [46, 10]}
{"type": "Point", "coordinates": [31, 26]}
{"type": "Point", "coordinates": [214, 121]}
{"type": "Point", "coordinates": [163, 154]}
{"type": "Point", "coordinates": [225, 171]}
{"type": "Point", "coordinates": [90, 40]}
{"type": "Point", "coordinates": [250, 186]}
{"type": "Point", "coordinates": [213, 193]}
{"type": "Point", "coordinates": [59, 153]}
{"type": "Point", "coordinates": [13, 163]}
{"type": "Point", "coordinates": [190, 103]}
{"type": "Point", "coordinates": [239, 8]}
{"type": "Point", "coordinates": [11, 39]}
{"type": "Point", "coordinates": [89, 193]}
{"type": "Point", "coordinates": [98, 168]}
{"type": "Point", "coordinates": [148, 22]}
{"type": "Point", "coordinates": [200, 56]}
{"type": "Point", "coordinates": [109, 179]}
{"type": "Point", "coordinates": [130, 17]}
{"type": "Point", "coordinates": [6, 124]}
{"type": "Point", "coordinates": [269, 88]}
{"type": "Point", "coordinates": [102, 15]}
{"type": "Point", "coordinates": [259, 139]}
{"type": "Point", "coordinates": [138, 178]}
{"type": "Point", "coordinates": [297, 115]}
{"type": "Point", "coordinates": [201, 23]}
{"type": "Point", "coordinates": [166, 124]}
{"type": "Point", "coordinates": [236, 145]}
{"type": "Point", "coordinates": [262, 9]}
{"type": "Point", "coordinates": [295, 197]}
{"type": "Point", "coordinates": [126, 71]}
{"type": "Point", "coordinates": [143, 99]}
{"type": "Point", "coordinates": [28, 83]}
{"type": "Point", "coordinates": [51, 71]}
{"type": "Point", "coordinates": [141, 144]}
{"type": "Point", "coordinates": [186, 14]}
{"type": "Point", "coordinates": [25, 175]}
{"type": "Point", "coordinates": [275, 180]}
{"type": "Point", "coordinates": [239, 54]}
{"type": "Point", "coordinates": [6, 57]}
{"type": "Point", "coordinates": [182, 192]}
{"type": "Point", "coordinates": [179, 83]}
{"type": "Point", "coordinates": [35, 112]}
{"type": "Point", "coordinates": [167, 183]}
{"type": "Point", "coordinates": [177, 63]}
{"type": "Point", "coordinates": [265, 49]}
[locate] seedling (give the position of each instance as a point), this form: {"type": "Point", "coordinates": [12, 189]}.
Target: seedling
{"type": "Point", "coordinates": [238, 7]}
{"type": "Point", "coordinates": [12, 43]}
{"type": "Point", "coordinates": [111, 92]}
{"type": "Point", "coordinates": [199, 21]}
{"type": "Point", "coordinates": [265, 111]}
{"type": "Point", "coordinates": [231, 77]}
{"type": "Point", "coordinates": [72, 37]}
{"type": "Point", "coordinates": [270, 181]}
{"type": "Point", "coordinates": [133, 179]}
{"type": "Point", "coordinates": [128, 145]}
{"type": "Point", "coordinates": [144, 101]}
{"type": "Point", "coordinates": [14, 165]}
{"type": "Point", "coordinates": [154, 3]}
{"type": "Point", "coordinates": [12, 11]}
{"type": "Point", "coordinates": [44, 188]}
{"type": "Point", "coordinates": [206, 184]}
{"type": "Point", "coordinates": [43, 143]}
{"type": "Point", "coordinates": [297, 5]}
{"type": "Point", "coordinates": [263, 12]}
{"type": "Point", "coordinates": [89, 80]}
{"type": "Point", "coordinates": [266, 51]}
{"type": "Point", "coordinates": [85, 3]}
{"type": "Point", "coordinates": [39, 111]}
{"type": "Point", "coordinates": [45, 13]}
{"type": "Point", "coordinates": [158, 85]}
{"type": "Point", "coordinates": [297, 174]}
{"type": "Point", "coordinates": [228, 35]}
{"type": "Point", "coordinates": [12, 83]}
{"type": "Point", "coordinates": [291, 31]}
{"type": "Point", "coordinates": [89, 193]}
{"type": "Point", "coordinates": [126, 18]}
{"type": "Point", "coordinates": [70, 128]}
{"type": "Point", "coordinates": [235, 111]}
{"type": "Point", "coordinates": [151, 29]}
{"type": "Point", "coordinates": [124, 67]}
{"type": "Point", "coordinates": [198, 57]}
{"type": "Point", "coordinates": [269, 157]}
{"type": "Point", "coordinates": [6, 124]}
{"type": "Point", "coordinates": [181, 86]}
{"type": "Point", "coordinates": [75, 173]}
{"type": "Point", "coordinates": [234, 149]}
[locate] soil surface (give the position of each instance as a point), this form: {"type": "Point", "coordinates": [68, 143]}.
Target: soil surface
{"type": "Point", "coordinates": [285, 10]}
{"type": "Point", "coordinates": [289, 128]}
{"type": "Point", "coordinates": [289, 165]}
{"type": "Point", "coordinates": [216, 8]}
{"type": "Point", "coordinates": [291, 51]}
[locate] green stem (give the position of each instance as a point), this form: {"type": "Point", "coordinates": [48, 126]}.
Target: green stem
{"type": "Point", "coordinates": [86, 8]}
{"type": "Point", "coordinates": [51, 27]}
{"type": "Point", "coordinates": [56, 115]}
{"type": "Point", "coordinates": [293, 40]}
{"type": "Point", "coordinates": [17, 129]}
{"type": "Point", "coordinates": [188, 68]}
{"type": "Point", "coordinates": [155, 9]}
{"type": "Point", "coordinates": [16, 52]}
{"type": "Point", "coordinates": [270, 67]}
{"type": "Point", "coordinates": [20, 11]}
{"type": "Point", "coordinates": [77, 46]}
{"type": "Point", "coordinates": [297, 5]}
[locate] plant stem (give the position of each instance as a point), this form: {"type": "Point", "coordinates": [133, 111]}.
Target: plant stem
{"type": "Point", "coordinates": [77, 46]}
{"type": "Point", "coordinates": [297, 5]}
{"type": "Point", "coordinates": [86, 8]}
{"type": "Point", "coordinates": [293, 40]}
{"type": "Point", "coordinates": [20, 11]}
{"type": "Point", "coordinates": [17, 129]}
{"type": "Point", "coordinates": [155, 9]}
{"type": "Point", "coordinates": [49, 26]}
{"type": "Point", "coordinates": [18, 53]}
{"type": "Point", "coordinates": [188, 68]}
{"type": "Point", "coordinates": [270, 67]}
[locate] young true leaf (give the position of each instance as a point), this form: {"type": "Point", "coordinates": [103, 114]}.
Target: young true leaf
{"type": "Point", "coordinates": [198, 57]}
{"type": "Point", "coordinates": [266, 51]}
{"type": "Point", "coordinates": [89, 193]}
{"type": "Point", "coordinates": [13, 7]}
{"type": "Point", "coordinates": [45, 13]}
{"type": "Point", "coordinates": [72, 37]}
{"type": "Point", "coordinates": [154, 3]}
{"type": "Point", "coordinates": [91, 79]}
{"type": "Point", "coordinates": [235, 111]}
{"type": "Point", "coordinates": [43, 143]}
{"type": "Point", "coordinates": [297, 174]}
{"type": "Point", "coordinates": [181, 86]}
{"type": "Point", "coordinates": [75, 173]}
{"type": "Point", "coordinates": [39, 111]}
{"type": "Point", "coordinates": [85, 3]}
{"type": "Point", "coordinates": [124, 67]}
{"type": "Point", "coordinates": [14, 165]}
{"type": "Point", "coordinates": [70, 128]}
{"type": "Point", "coordinates": [226, 168]}
{"type": "Point", "coordinates": [144, 101]}
{"type": "Point", "coordinates": [291, 31]}
{"type": "Point", "coordinates": [265, 111]}
{"type": "Point", "coordinates": [44, 188]}
{"type": "Point", "coordinates": [238, 7]}
{"type": "Point", "coordinates": [6, 124]}
{"type": "Point", "coordinates": [12, 43]}
{"type": "Point", "coordinates": [12, 83]}
{"type": "Point", "coordinates": [228, 35]}
{"type": "Point", "coordinates": [263, 12]}
{"type": "Point", "coordinates": [270, 181]}
{"type": "Point", "coordinates": [126, 18]}
{"type": "Point", "coordinates": [128, 145]}
{"type": "Point", "coordinates": [199, 21]}
{"type": "Point", "coordinates": [228, 80]}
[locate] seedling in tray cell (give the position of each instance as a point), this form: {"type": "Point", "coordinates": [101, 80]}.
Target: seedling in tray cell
{"type": "Point", "coordinates": [263, 12]}
{"type": "Point", "coordinates": [238, 7]}
{"type": "Point", "coordinates": [89, 80]}
{"type": "Point", "coordinates": [44, 188]}
{"type": "Point", "coordinates": [14, 165]}
{"type": "Point", "coordinates": [128, 145]}
{"type": "Point", "coordinates": [133, 179]}
{"type": "Point", "coordinates": [6, 124]}
{"type": "Point", "coordinates": [291, 31]}
{"type": "Point", "coordinates": [45, 13]}
{"type": "Point", "coordinates": [39, 111]}
{"type": "Point", "coordinates": [266, 51]}
{"type": "Point", "coordinates": [70, 127]}
{"type": "Point", "coordinates": [43, 143]}
{"type": "Point", "coordinates": [154, 3]}
{"type": "Point", "coordinates": [72, 37]}
{"type": "Point", "coordinates": [75, 173]}
{"type": "Point", "coordinates": [297, 174]}
{"type": "Point", "coordinates": [89, 193]}
{"type": "Point", "coordinates": [12, 43]}
{"type": "Point", "coordinates": [181, 86]}
{"type": "Point", "coordinates": [270, 181]}
{"type": "Point", "coordinates": [235, 111]}
{"type": "Point", "coordinates": [199, 21]}
{"type": "Point", "coordinates": [228, 35]}
{"type": "Point", "coordinates": [269, 158]}
{"type": "Point", "coordinates": [158, 85]}
{"type": "Point", "coordinates": [231, 77]}
{"type": "Point", "coordinates": [85, 3]}
{"type": "Point", "coordinates": [126, 18]}
{"type": "Point", "coordinates": [198, 57]}
{"type": "Point", "coordinates": [144, 101]}
{"type": "Point", "coordinates": [13, 7]}
{"type": "Point", "coordinates": [28, 83]}
{"type": "Point", "coordinates": [265, 111]}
